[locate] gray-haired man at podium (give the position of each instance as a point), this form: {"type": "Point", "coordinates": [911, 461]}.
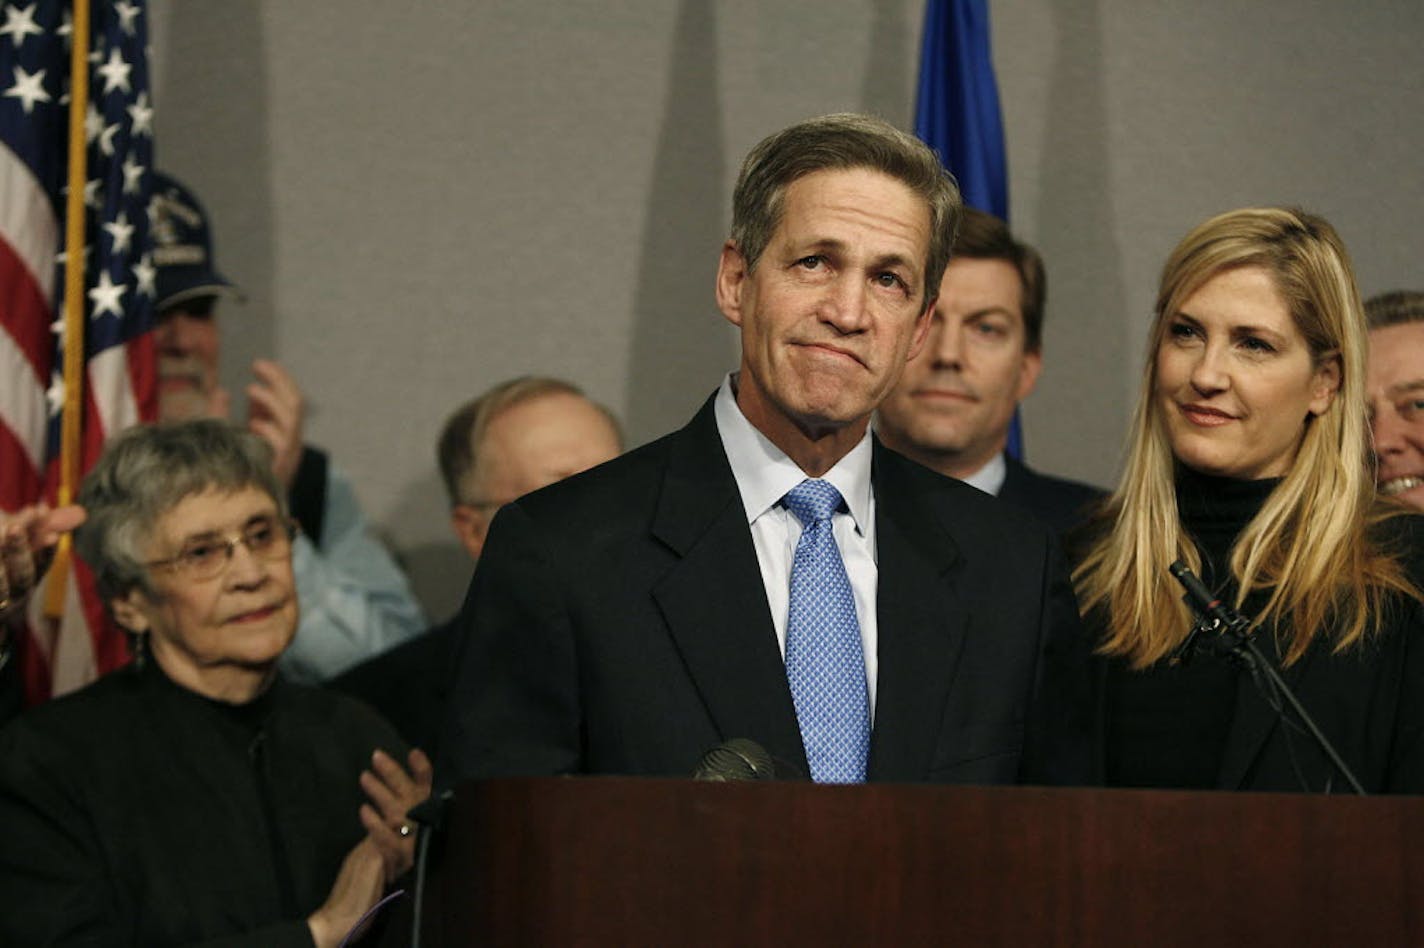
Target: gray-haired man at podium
{"type": "Point", "coordinates": [771, 571]}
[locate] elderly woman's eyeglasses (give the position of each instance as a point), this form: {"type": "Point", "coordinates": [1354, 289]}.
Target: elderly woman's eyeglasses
{"type": "Point", "coordinates": [267, 537]}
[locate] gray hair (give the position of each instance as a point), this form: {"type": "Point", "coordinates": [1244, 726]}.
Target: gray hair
{"type": "Point", "coordinates": [842, 141]}
{"type": "Point", "coordinates": [464, 431]}
{"type": "Point", "coordinates": [146, 472]}
{"type": "Point", "coordinates": [1395, 308]}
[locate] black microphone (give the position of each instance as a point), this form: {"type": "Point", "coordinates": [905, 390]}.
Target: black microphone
{"type": "Point", "coordinates": [1225, 626]}
{"type": "Point", "coordinates": [431, 811]}
{"type": "Point", "coordinates": [736, 760]}
{"type": "Point", "coordinates": [429, 816]}
{"type": "Point", "coordinates": [1201, 600]}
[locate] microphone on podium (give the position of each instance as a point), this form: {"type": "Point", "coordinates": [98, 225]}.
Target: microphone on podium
{"type": "Point", "coordinates": [735, 760]}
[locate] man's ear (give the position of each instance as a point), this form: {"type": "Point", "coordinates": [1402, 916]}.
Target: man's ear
{"type": "Point", "coordinates": [1326, 383]}
{"type": "Point", "coordinates": [732, 273]}
{"type": "Point", "coordinates": [1028, 374]}
{"type": "Point", "coordinates": [131, 611]}
{"type": "Point", "coordinates": [470, 525]}
{"type": "Point", "coordinates": [922, 328]}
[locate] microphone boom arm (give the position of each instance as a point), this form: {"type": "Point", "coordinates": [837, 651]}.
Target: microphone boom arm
{"type": "Point", "coordinates": [1233, 637]}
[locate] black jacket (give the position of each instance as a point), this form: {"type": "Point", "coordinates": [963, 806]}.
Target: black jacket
{"type": "Point", "coordinates": [1058, 502]}
{"type": "Point", "coordinates": [1368, 700]}
{"type": "Point", "coordinates": [408, 684]}
{"type": "Point", "coordinates": [135, 812]}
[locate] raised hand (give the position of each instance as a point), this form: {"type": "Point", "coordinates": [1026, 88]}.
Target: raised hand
{"type": "Point", "coordinates": [27, 541]}
{"type": "Point", "coordinates": [275, 412]}
{"type": "Point", "coordinates": [393, 790]}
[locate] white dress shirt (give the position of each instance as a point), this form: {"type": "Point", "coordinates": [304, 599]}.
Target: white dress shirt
{"type": "Point", "coordinates": [764, 474]}
{"type": "Point", "coordinates": [990, 477]}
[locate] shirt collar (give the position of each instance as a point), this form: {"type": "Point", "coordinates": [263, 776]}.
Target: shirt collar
{"type": "Point", "coordinates": [990, 477]}
{"type": "Point", "coordinates": [764, 473]}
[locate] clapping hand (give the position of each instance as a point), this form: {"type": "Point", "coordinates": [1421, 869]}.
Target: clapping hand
{"type": "Point", "coordinates": [27, 541]}
{"type": "Point", "coordinates": [393, 791]}
{"type": "Point", "coordinates": [275, 412]}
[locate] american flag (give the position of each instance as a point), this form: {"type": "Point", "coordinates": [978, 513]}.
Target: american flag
{"type": "Point", "coordinates": [119, 386]}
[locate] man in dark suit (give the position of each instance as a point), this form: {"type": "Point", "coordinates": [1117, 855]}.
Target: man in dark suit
{"type": "Point", "coordinates": [630, 618]}
{"type": "Point", "coordinates": [956, 400]}
{"type": "Point", "coordinates": [516, 437]}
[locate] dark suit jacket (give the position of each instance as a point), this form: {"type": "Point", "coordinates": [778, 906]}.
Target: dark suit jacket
{"type": "Point", "coordinates": [1060, 503]}
{"type": "Point", "coordinates": [408, 684]}
{"type": "Point", "coordinates": [617, 623]}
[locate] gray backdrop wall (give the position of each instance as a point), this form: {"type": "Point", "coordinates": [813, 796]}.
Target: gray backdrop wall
{"type": "Point", "coordinates": [422, 200]}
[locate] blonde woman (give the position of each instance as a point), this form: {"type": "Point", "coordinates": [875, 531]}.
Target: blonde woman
{"type": "Point", "coordinates": [1248, 461]}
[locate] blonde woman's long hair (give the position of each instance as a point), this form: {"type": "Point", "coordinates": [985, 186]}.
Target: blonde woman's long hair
{"type": "Point", "coordinates": [1311, 545]}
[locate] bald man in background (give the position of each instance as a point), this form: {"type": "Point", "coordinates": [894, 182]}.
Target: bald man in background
{"type": "Point", "coordinates": [517, 437]}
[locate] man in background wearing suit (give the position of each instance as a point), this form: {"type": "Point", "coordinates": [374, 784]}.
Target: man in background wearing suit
{"type": "Point", "coordinates": [771, 572]}
{"type": "Point", "coordinates": [956, 400]}
{"type": "Point", "coordinates": [514, 438]}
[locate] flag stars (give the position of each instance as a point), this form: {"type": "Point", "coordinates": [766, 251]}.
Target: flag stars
{"type": "Point", "coordinates": [106, 296]}
{"type": "Point", "coordinates": [54, 395]}
{"type": "Point", "coordinates": [106, 139]}
{"type": "Point", "coordinates": [29, 89]}
{"type": "Point", "coordinates": [115, 73]}
{"type": "Point", "coordinates": [142, 115]}
{"type": "Point", "coordinates": [145, 273]}
{"type": "Point", "coordinates": [20, 24]}
{"type": "Point", "coordinates": [133, 175]}
{"type": "Point", "coordinates": [121, 231]}
{"type": "Point", "coordinates": [93, 124]}
{"type": "Point", "coordinates": [128, 12]}
{"type": "Point", "coordinates": [62, 257]}
{"type": "Point", "coordinates": [92, 195]}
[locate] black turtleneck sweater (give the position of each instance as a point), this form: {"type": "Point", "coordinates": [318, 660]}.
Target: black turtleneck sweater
{"type": "Point", "coordinates": [136, 812]}
{"type": "Point", "coordinates": [1166, 725]}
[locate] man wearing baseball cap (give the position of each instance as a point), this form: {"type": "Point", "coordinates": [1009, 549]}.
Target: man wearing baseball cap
{"type": "Point", "coordinates": [354, 600]}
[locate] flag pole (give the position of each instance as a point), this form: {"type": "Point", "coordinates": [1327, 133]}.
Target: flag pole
{"type": "Point", "coordinates": [71, 420]}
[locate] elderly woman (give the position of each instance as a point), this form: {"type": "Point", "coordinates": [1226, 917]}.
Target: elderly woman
{"type": "Point", "coordinates": [1248, 461]}
{"type": "Point", "coordinates": [196, 795]}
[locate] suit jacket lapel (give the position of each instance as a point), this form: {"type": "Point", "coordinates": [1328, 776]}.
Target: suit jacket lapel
{"type": "Point", "coordinates": [1015, 480]}
{"type": "Point", "coordinates": [920, 624]}
{"type": "Point", "coordinates": [713, 599]}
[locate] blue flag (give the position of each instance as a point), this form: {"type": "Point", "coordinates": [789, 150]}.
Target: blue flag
{"type": "Point", "coordinates": [957, 113]}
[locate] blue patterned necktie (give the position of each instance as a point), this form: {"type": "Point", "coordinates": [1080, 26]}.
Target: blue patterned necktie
{"type": "Point", "coordinates": [825, 665]}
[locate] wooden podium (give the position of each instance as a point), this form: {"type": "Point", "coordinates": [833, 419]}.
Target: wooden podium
{"type": "Point", "coordinates": [627, 861]}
